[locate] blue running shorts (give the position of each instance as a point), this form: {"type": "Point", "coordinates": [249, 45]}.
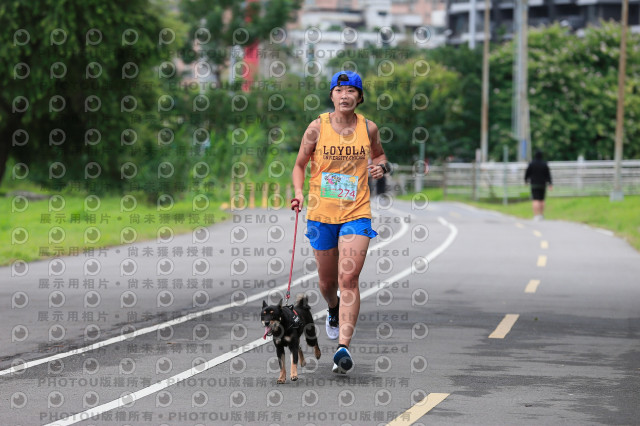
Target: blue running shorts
{"type": "Point", "coordinates": [324, 236]}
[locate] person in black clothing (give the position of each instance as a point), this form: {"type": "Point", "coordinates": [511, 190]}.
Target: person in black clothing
{"type": "Point", "coordinates": [539, 175]}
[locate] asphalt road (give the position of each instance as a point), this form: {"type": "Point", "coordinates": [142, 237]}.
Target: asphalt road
{"type": "Point", "coordinates": [467, 317]}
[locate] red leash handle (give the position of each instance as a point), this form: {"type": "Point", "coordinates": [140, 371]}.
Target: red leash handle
{"type": "Point", "coordinates": [294, 206]}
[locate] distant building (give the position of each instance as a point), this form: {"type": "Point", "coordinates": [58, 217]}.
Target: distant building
{"type": "Point", "coordinates": [326, 27]}
{"type": "Point", "coordinates": [574, 14]}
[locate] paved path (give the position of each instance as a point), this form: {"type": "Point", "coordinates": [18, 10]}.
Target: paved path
{"type": "Point", "coordinates": [468, 317]}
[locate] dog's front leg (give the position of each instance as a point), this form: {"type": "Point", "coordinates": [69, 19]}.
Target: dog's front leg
{"type": "Point", "coordinates": [283, 371]}
{"type": "Point", "coordinates": [303, 362]}
{"type": "Point", "coordinates": [294, 348]}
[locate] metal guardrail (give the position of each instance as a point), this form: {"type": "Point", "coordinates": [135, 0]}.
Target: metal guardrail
{"type": "Point", "coordinates": [494, 180]}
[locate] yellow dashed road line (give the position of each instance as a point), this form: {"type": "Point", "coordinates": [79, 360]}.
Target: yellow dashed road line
{"type": "Point", "coordinates": [421, 408]}
{"type": "Point", "coordinates": [504, 327]}
{"type": "Point", "coordinates": [542, 261]}
{"type": "Point", "coordinates": [532, 286]}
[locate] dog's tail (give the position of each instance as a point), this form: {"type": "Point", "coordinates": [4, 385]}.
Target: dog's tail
{"type": "Point", "coordinates": [303, 301]}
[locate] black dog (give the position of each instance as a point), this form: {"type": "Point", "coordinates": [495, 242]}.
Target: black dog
{"type": "Point", "coordinates": [286, 324]}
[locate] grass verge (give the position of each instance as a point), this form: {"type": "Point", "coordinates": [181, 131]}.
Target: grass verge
{"type": "Point", "coordinates": [71, 225]}
{"type": "Point", "coordinates": [623, 218]}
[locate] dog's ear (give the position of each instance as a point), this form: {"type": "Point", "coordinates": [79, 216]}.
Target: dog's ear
{"type": "Point", "coordinates": [280, 303]}
{"type": "Point", "coordinates": [264, 304]}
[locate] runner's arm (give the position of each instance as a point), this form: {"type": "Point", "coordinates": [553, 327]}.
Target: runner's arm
{"type": "Point", "coordinates": [307, 147]}
{"type": "Point", "coordinates": [378, 156]}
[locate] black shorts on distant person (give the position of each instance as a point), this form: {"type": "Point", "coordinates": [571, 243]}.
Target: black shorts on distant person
{"type": "Point", "coordinates": [538, 193]}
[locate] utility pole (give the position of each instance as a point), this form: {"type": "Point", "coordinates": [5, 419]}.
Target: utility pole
{"type": "Point", "coordinates": [472, 25]}
{"type": "Point", "coordinates": [484, 136]}
{"type": "Point", "coordinates": [617, 194]}
{"type": "Point", "coordinates": [521, 122]}
{"type": "Point", "coordinates": [515, 93]}
{"type": "Point", "coordinates": [523, 89]}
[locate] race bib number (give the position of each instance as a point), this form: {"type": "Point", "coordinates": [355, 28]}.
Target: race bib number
{"type": "Point", "coordinates": [336, 185]}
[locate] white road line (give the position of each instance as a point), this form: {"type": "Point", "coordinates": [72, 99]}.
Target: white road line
{"type": "Point", "coordinates": [468, 207]}
{"type": "Point", "coordinates": [428, 258]}
{"type": "Point", "coordinates": [163, 384]}
{"type": "Point", "coordinates": [191, 316]}
{"type": "Point", "coordinates": [130, 398]}
{"type": "Point", "coordinates": [605, 232]}
{"type": "Point", "coordinates": [482, 211]}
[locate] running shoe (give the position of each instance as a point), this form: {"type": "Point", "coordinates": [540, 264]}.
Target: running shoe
{"type": "Point", "coordinates": [342, 361]}
{"type": "Point", "coordinates": [332, 324]}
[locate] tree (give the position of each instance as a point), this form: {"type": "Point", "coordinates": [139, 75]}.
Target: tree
{"type": "Point", "coordinates": [462, 130]}
{"type": "Point", "coordinates": [453, 122]}
{"type": "Point", "coordinates": [414, 104]}
{"type": "Point", "coordinates": [215, 27]}
{"type": "Point", "coordinates": [572, 93]}
{"type": "Point", "coordinates": [81, 96]}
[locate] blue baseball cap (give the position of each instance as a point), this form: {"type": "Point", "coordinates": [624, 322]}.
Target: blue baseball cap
{"type": "Point", "coordinates": [352, 79]}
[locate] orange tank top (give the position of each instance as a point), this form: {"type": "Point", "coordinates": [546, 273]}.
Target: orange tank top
{"type": "Point", "coordinates": [339, 182]}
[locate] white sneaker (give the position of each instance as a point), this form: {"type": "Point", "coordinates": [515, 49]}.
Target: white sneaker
{"type": "Point", "coordinates": [332, 326]}
{"type": "Point", "coordinates": [332, 323]}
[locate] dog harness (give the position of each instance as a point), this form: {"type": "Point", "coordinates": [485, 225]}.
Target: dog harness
{"type": "Point", "coordinates": [291, 316]}
{"type": "Point", "coordinates": [293, 319]}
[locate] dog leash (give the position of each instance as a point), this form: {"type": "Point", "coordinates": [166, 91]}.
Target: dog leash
{"type": "Point", "coordinates": [295, 233]}
{"type": "Point", "coordinates": [288, 295]}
